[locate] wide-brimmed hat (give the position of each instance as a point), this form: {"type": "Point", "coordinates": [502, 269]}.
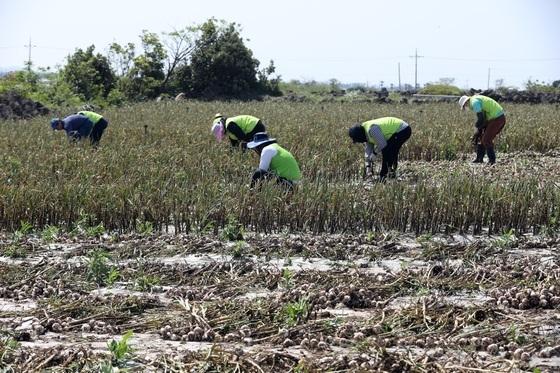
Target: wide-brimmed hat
{"type": "Point", "coordinates": [462, 101]}
{"type": "Point", "coordinates": [260, 138]}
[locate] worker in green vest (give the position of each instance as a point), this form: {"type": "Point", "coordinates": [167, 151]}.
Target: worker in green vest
{"type": "Point", "coordinates": [275, 162]}
{"type": "Point", "coordinates": [99, 125]}
{"type": "Point", "coordinates": [239, 129]}
{"type": "Point", "coordinates": [491, 119]}
{"type": "Point", "coordinates": [386, 135]}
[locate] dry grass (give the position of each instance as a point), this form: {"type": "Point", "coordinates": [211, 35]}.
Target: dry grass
{"type": "Point", "coordinates": [159, 163]}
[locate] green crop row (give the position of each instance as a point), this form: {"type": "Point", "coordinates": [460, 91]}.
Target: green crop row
{"type": "Point", "coordinates": [158, 163]}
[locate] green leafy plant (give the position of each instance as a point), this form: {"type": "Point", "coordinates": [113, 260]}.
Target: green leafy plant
{"type": "Point", "coordinates": [233, 231]}
{"type": "Point", "coordinates": [294, 312]}
{"type": "Point", "coordinates": [98, 268]}
{"type": "Point", "coordinates": [82, 226]}
{"type": "Point", "coordinates": [95, 231]}
{"type": "Point", "coordinates": [81, 223]}
{"type": "Point", "coordinates": [146, 282]}
{"type": "Point", "coordinates": [120, 350]}
{"type": "Point", "coordinates": [515, 335]}
{"type": "Point", "coordinates": [239, 249]}
{"type": "Point", "coordinates": [24, 229]}
{"type": "Point", "coordinates": [113, 275]}
{"type": "Point", "coordinates": [423, 238]}
{"type": "Point", "coordinates": [49, 233]}
{"type": "Point", "coordinates": [287, 278]}
{"type": "Point", "coordinates": [15, 251]}
{"type": "Point", "coordinates": [8, 346]}
{"type": "Point", "coordinates": [145, 228]}
{"type": "Point", "coordinates": [505, 241]}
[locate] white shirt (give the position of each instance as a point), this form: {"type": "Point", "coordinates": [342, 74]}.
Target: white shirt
{"type": "Point", "coordinates": [267, 153]}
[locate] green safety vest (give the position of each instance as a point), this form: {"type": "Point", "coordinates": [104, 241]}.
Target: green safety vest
{"type": "Point", "coordinates": [246, 122]}
{"type": "Point", "coordinates": [94, 117]}
{"type": "Point", "coordinates": [389, 126]}
{"type": "Point", "coordinates": [284, 164]}
{"type": "Point", "coordinates": [490, 108]}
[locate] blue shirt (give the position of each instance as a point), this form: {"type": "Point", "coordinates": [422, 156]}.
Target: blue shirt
{"type": "Point", "coordinates": [77, 126]}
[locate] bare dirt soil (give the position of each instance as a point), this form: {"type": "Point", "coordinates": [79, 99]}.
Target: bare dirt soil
{"type": "Point", "coordinates": [371, 302]}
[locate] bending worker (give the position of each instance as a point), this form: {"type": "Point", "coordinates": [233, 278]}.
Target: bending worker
{"type": "Point", "coordinates": [386, 135]}
{"type": "Point", "coordinates": [77, 126]}
{"type": "Point", "coordinates": [275, 162]}
{"type": "Point", "coordinates": [490, 121]}
{"type": "Point", "coordinates": [240, 129]}
{"type": "Point", "coordinates": [81, 125]}
{"type": "Point", "coordinates": [99, 125]}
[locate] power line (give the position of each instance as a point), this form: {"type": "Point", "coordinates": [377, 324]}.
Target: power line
{"type": "Point", "coordinates": [34, 46]}
{"type": "Point", "coordinates": [56, 48]}
{"type": "Point", "coordinates": [493, 59]}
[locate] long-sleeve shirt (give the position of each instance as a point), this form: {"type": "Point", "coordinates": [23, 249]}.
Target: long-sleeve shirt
{"type": "Point", "coordinates": [380, 142]}
{"type": "Point", "coordinates": [77, 126]}
{"type": "Point", "coordinates": [280, 161]}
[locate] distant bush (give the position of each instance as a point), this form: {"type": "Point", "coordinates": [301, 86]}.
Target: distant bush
{"type": "Point", "coordinates": [540, 87]}
{"type": "Point", "coordinates": [441, 89]}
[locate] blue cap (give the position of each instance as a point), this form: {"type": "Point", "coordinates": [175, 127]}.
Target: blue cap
{"type": "Point", "coordinates": [54, 122]}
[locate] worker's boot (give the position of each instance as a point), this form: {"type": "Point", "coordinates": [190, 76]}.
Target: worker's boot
{"type": "Point", "coordinates": [480, 150]}
{"type": "Point", "coordinates": [491, 155]}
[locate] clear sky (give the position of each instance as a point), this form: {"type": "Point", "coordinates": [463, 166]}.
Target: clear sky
{"type": "Point", "coordinates": [348, 40]}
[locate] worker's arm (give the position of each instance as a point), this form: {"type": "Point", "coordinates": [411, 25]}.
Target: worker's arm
{"type": "Point", "coordinates": [236, 131]}
{"type": "Point", "coordinates": [378, 138]}
{"type": "Point", "coordinates": [267, 154]}
{"type": "Point", "coordinates": [77, 126]}
{"type": "Point", "coordinates": [480, 122]}
{"type": "Point", "coordinates": [257, 175]}
{"type": "Point", "coordinates": [370, 152]}
{"type": "Point", "coordinates": [266, 157]}
{"type": "Point", "coordinates": [476, 106]}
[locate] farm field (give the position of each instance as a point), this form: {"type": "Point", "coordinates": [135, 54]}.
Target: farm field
{"type": "Point", "coordinates": [283, 302]}
{"type": "Point", "coordinates": [155, 240]}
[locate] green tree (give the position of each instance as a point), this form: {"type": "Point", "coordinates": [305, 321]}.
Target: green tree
{"type": "Point", "coordinates": [145, 77]}
{"type": "Point", "coordinates": [43, 86]}
{"type": "Point", "coordinates": [88, 75]}
{"type": "Point", "coordinates": [121, 58]}
{"type": "Point", "coordinates": [180, 80]}
{"type": "Point", "coordinates": [221, 64]}
{"type": "Point", "coordinates": [269, 84]}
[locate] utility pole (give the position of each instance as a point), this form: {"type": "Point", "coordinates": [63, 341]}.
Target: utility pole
{"type": "Point", "coordinates": [29, 55]}
{"type": "Point", "coordinates": [399, 76]}
{"type": "Point", "coordinates": [416, 56]}
{"type": "Point", "coordinates": [488, 84]}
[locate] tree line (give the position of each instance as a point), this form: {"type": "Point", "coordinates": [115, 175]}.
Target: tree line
{"type": "Point", "coordinates": [206, 61]}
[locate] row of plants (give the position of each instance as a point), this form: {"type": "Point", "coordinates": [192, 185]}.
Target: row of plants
{"type": "Point", "coordinates": [159, 164]}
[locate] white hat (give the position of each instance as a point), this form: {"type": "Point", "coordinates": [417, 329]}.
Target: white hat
{"type": "Point", "coordinates": [260, 138]}
{"type": "Point", "coordinates": [462, 101]}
